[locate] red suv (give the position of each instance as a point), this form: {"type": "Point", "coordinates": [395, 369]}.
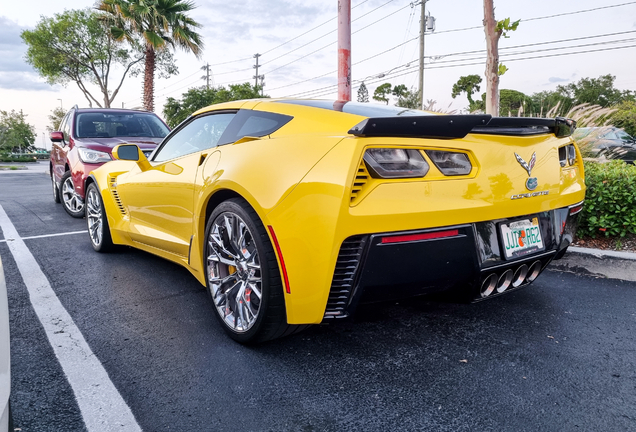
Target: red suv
{"type": "Point", "coordinates": [86, 139]}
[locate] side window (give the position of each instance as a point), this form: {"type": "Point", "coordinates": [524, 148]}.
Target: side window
{"type": "Point", "coordinates": [200, 134]}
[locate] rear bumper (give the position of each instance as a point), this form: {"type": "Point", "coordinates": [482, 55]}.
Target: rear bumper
{"type": "Point", "coordinates": [466, 259]}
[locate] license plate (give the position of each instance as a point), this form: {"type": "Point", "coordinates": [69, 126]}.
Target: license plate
{"type": "Point", "coordinates": [521, 238]}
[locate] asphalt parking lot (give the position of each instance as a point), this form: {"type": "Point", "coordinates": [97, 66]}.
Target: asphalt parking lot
{"type": "Point", "coordinates": [127, 341]}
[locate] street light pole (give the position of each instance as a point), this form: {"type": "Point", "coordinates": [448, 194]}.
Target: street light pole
{"type": "Point", "coordinates": [61, 106]}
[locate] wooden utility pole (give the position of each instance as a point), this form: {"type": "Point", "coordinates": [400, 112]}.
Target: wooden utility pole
{"type": "Point", "coordinates": [492, 61]}
{"type": "Point", "coordinates": [344, 50]}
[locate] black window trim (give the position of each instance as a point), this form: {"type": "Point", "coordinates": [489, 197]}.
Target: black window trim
{"type": "Point", "coordinates": [231, 132]}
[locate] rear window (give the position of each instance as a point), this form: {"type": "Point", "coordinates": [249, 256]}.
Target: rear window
{"type": "Point", "coordinates": [109, 125]}
{"type": "Point", "coordinates": [358, 108]}
{"type": "Point", "coordinates": [254, 124]}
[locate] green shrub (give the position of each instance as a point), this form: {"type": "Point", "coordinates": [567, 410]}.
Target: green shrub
{"type": "Point", "coordinates": [17, 159]}
{"type": "Point", "coordinates": [610, 201]}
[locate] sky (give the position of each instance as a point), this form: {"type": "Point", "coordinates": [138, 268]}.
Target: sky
{"type": "Point", "coordinates": [557, 42]}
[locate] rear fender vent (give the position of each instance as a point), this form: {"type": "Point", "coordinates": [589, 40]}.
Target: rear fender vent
{"type": "Point", "coordinates": [360, 183]}
{"type": "Point", "coordinates": [112, 183]}
{"type": "Point", "coordinates": [344, 276]}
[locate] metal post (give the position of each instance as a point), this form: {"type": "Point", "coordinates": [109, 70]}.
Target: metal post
{"type": "Point", "coordinates": [422, 31]}
{"type": "Point", "coordinates": [344, 50]}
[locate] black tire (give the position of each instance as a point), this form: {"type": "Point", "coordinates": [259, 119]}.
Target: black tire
{"type": "Point", "coordinates": [72, 202]}
{"type": "Point", "coordinates": [56, 190]}
{"type": "Point", "coordinates": [97, 221]}
{"type": "Point", "coordinates": [270, 320]}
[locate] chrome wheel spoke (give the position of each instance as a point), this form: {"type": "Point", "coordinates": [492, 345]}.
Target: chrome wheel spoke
{"type": "Point", "coordinates": [256, 290]}
{"type": "Point", "coordinates": [218, 243]}
{"type": "Point", "coordinates": [218, 258]}
{"type": "Point", "coordinates": [71, 199]}
{"type": "Point", "coordinates": [234, 272]}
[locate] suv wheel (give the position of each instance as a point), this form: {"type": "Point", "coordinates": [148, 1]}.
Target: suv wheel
{"type": "Point", "coordinates": [73, 203]}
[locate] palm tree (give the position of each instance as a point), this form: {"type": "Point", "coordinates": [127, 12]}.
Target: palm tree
{"type": "Point", "coordinates": [161, 24]}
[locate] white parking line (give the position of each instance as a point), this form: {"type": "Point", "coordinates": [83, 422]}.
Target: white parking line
{"type": "Point", "coordinates": [102, 407]}
{"type": "Point", "coordinates": [45, 236]}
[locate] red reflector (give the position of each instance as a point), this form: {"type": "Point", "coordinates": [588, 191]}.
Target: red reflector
{"type": "Point", "coordinates": [280, 258]}
{"type": "Point", "coordinates": [421, 236]}
{"type": "Point", "coordinates": [575, 210]}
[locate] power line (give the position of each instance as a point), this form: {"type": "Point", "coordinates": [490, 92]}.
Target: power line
{"type": "Point", "coordinates": [324, 35]}
{"type": "Point", "coordinates": [390, 49]}
{"type": "Point", "coordinates": [288, 41]}
{"type": "Point", "coordinates": [542, 17]}
{"type": "Point", "coordinates": [470, 52]}
{"type": "Point", "coordinates": [319, 92]}
{"type": "Point", "coordinates": [581, 11]}
{"type": "Point", "coordinates": [331, 43]}
{"type": "Point", "coordinates": [545, 43]}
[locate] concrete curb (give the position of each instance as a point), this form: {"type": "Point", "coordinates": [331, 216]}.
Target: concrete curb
{"type": "Point", "coordinates": [598, 263]}
{"type": "Point", "coordinates": [601, 253]}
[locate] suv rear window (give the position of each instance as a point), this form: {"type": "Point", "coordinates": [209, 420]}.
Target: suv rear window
{"type": "Point", "coordinates": [109, 125]}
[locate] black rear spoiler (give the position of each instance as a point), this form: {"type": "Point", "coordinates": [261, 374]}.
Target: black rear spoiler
{"type": "Point", "coordinates": [458, 126]}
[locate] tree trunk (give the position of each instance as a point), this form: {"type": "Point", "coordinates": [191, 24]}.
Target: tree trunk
{"type": "Point", "coordinates": [149, 79]}
{"type": "Point", "coordinates": [492, 62]}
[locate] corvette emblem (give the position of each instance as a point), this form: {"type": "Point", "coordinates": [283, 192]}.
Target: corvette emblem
{"type": "Point", "coordinates": [532, 182]}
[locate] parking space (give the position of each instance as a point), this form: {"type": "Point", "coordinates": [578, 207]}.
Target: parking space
{"type": "Point", "coordinates": [559, 354]}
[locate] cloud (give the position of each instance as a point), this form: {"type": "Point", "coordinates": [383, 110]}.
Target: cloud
{"type": "Point", "coordinates": [557, 80]}
{"type": "Point", "coordinates": [24, 81]}
{"type": "Point", "coordinates": [253, 20]}
{"type": "Point", "coordinates": [15, 73]}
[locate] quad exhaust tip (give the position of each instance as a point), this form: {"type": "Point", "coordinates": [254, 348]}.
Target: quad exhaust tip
{"type": "Point", "coordinates": [509, 278]}
{"type": "Point", "coordinates": [488, 285]}
{"type": "Point", "coordinates": [504, 281]}
{"type": "Point", "coordinates": [534, 271]}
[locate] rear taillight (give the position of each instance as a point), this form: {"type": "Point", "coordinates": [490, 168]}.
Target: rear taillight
{"type": "Point", "coordinates": [567, 155]}
{"type": "Point", "coordinates": [450, 163]}
{"type": "Point", "coordinates": [571, 154]}
{"type": "Point", "coordinates": [395, 163]}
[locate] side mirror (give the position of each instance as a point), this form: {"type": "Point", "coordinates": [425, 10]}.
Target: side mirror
{"type": "Point", "coordinates": [130, 152]}
{"type": "Point", "coordinates": [57, 136]}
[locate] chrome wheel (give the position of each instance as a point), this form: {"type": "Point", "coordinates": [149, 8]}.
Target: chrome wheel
{"type": "Point", "coordinates": [94, 217]}
{"type": "Point", "coordinates": [234, 272]}
{"type": "Point", "coordinates": [72, 201]}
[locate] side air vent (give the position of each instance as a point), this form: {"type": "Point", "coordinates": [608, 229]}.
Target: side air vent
{"type": "Point", "coordinates": [344, 276]}
{"type": "Point", "coordinates": [113, 188]}
{"type": "Point", "coordinates": [362, 177]}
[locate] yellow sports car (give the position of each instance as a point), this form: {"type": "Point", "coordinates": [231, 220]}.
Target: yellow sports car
{"type": "Point", "coordinates": [293, 212]}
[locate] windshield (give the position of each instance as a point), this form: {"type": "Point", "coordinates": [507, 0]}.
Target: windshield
{"type": "Point", "coordinates": [110, 125]}
{"type": "Point", "coordinates": [621, 134]}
